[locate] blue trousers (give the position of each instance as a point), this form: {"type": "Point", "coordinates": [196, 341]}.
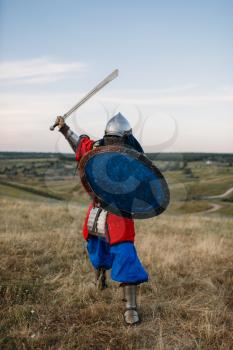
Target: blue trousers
{"type": "Point", "coordinates": [121, 258]}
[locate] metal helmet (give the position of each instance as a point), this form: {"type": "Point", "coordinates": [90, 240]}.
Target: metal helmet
{"type": "Point", "coordinates": [118, 126]}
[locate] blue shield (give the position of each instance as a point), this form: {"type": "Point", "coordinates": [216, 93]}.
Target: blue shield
{"type": "Point", "coordinates": [124, 181]}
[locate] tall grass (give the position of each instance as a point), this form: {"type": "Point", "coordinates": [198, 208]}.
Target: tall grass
{"type": "Point", "coordinates": [48, 300]}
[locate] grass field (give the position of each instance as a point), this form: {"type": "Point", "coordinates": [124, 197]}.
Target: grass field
{"type": "Point", "coordinates": [47, 297]}
{"type": "Point", "coordinates": [49, 302]}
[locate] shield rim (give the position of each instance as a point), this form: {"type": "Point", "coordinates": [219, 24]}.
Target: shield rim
{"type": "Point", "coordinates": [136, 155]}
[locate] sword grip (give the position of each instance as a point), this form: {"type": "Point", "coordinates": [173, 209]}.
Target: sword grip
{"type": "Point", "coordinates": [52, 127]}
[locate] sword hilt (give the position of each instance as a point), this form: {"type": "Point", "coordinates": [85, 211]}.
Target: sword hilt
{"type": "Point", "coordinates": [52, 127]}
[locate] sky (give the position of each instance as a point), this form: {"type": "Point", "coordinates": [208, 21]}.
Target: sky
{"type": "Point", "coordinates": [174, 57]}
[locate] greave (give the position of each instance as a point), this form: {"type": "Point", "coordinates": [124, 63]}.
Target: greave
{"type": "Point", "coordinates": [129, 296]}
{"type": "Point", "coordinates": [100, 278]}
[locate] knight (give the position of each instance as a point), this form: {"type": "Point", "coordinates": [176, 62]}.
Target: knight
{"type": "Point", "coordinates": [110, 237]}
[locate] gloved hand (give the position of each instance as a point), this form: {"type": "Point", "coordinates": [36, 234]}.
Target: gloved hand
{"type": "Point", "coordinates": [60, 122]}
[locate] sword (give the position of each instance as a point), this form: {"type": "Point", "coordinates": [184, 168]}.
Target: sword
{"type": "Point", "coordinates": [104, 82]}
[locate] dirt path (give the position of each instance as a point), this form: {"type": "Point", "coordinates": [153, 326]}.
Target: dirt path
{"type": "Point", "coordinates": [214, 208]}
{"type": "Point", "coordinates": [220, 196]}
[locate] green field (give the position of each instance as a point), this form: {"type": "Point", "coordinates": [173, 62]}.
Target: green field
{"type": "Point", "coordinates": [52, 178]}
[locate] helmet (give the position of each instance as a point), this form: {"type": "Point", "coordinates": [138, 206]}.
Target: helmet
{"type": "Point", "coordinates": [118, 126]}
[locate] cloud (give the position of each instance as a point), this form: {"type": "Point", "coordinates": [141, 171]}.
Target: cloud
{"type": "Point", "coordinates": [37, 70]}
{"type": "Point", "coordinates": [153, 98]}
{"type": "Point", "coordinates": [171, 89]}
{"type": "Point", "coordinates": [26, 118]}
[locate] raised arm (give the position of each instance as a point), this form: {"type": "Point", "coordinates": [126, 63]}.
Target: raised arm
{"type": "Point", "coordinates": [71, 137]}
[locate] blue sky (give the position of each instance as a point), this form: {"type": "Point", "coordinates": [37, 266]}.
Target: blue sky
{"type": "Point", "coordinates": [175, 61]}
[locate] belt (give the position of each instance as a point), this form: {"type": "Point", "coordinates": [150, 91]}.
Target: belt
{"type": "Point", "coordinates": [97, 222]}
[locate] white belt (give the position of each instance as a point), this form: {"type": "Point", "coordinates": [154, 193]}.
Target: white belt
{"type": "Point", "coordinates": [96, 223]}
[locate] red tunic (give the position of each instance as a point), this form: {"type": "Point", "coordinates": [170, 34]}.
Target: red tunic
{"type": "Point", "coordinates": [120, 229]}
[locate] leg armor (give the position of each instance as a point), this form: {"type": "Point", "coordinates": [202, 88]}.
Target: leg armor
{"type": "Point", "coordinates": [100, 278]}
{"type": "Point", "coordinates": [129, 296]}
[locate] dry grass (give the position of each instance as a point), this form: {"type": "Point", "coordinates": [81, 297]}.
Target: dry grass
{"type": "Point", "coordinates": [48, 302]}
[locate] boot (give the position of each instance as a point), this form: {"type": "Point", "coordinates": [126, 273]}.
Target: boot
{"type": "Point", "coordinates": [100, 278]}
{"type": "Point", "coordinates": [129, 296]}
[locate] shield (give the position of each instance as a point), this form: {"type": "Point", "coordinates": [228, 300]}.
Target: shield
{"type": "Point", "coordinates": [124, 181]}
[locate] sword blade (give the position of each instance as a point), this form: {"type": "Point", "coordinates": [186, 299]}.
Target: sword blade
{"type": "Point", "coordinates": [98, 87]}
{"type": "Point", "coordinates": [104, 82]}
